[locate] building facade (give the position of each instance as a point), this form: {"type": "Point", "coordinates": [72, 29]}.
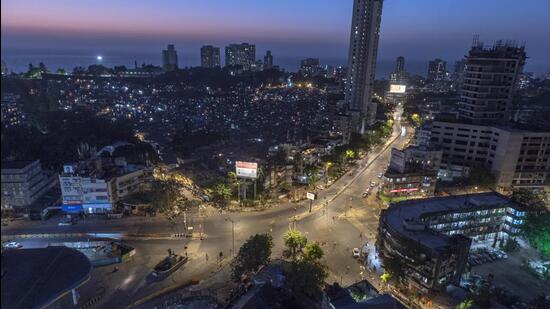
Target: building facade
{"type": "Point", "coordinates": [432, 237]}
{"type": "Point", "coordinates": [23, 182]}
{"type": "Point", "coordinates": [363, 49]}
{"type": "Point", "coordinates": [12, 111]}
{"type": "Point", "coordinates": [412, 172]}
{"type": "Point", "coordinates": [243, 54]}
{"type": "Point", "coordinates": [268, 60]}
{"type": "Point", "coordinates": [437, 70]}
{"type": "Point", "coordinates": [310, 66]}
{"type": "Point", "coordinates": [489, 81]}
{"type": "Point", "coordinates": [517, 158]}
{"type": "Point", "coordinates": [210, 56]}
{"type": "Point", "coordinates": [170, 58]}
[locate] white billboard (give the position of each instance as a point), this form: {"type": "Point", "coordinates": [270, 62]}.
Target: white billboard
{"type": "Point", "coordinates": [246, 169]}
{"type": "Point", "coordinates": [310, 196]}
{"type": "Point", "coordinates": [398, 88]}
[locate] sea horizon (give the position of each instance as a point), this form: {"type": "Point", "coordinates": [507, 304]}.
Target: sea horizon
{"type": "Point", "coordinates": [18, 59]}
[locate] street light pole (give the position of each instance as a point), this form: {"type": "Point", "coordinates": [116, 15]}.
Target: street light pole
{"type": "Point", "coordinates": [232, 235]}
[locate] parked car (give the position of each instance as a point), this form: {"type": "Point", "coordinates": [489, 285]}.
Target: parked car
{"type": "Point", "coordinates": [356, 252]}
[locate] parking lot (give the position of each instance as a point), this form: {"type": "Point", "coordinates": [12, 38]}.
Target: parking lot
{"type": "Point", "coordinates": [512, 275]}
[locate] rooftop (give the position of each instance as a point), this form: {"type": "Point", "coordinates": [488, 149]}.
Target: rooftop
{"type": "Point", "coordinates": [405, 217]}
{"type": "Point", "coordinates": [13, 165]}
{"type": "Point", "coordinates": [33, 278]}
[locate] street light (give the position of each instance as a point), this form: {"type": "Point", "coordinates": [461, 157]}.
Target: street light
{"type": "Point", "coordinates": [233, 234]}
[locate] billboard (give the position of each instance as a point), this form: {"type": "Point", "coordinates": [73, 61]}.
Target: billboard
{"type": "Point", "coordinates": [398, 88]}
{"type": "Point", "coordinates": [246, 169]}
{"type": "Point", "coordinates": [310, 196]}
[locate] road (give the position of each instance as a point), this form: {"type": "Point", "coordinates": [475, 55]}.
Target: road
{"type": "Point", "coordinates": [347, 221]}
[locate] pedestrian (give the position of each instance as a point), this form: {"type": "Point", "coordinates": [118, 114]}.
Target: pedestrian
{"type": "Point", "coordinates": [360, 235]}
{"type": "Point", "coordinates": [207, 256]}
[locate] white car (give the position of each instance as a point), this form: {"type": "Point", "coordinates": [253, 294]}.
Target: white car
{"type": "Point", "coordinates": [380, 175]}
{"type": "Point", "coordinates": [65, 223]}
{"type": "Point", "coordinates": [12, 245]}
{"type": "Point", "coordinates": [356, 252]}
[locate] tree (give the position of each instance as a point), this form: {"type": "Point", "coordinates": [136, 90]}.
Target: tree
{"type": "Point", "coordinates": [294, 242]}
{"type": "Point", "coordinates": [255, 252]}
{"type": "Point", "coordinates": [416, 120]}
{"type": "Point", "coordinates": [394, 267]}
{"type": "Point", "coordinates": [307, 277]}
{"type": "Point", "coordinates": [511, 245]}
{"type": "Point", "coordinates": [466, 304]}
{"type": "Point", "coordinates": [481, 176]}
{"type": "Point", "coordinates": [350, 154]}
{"type": "Point", "coordinates": [537, 231]}
{"type": "Point", "coordinates": [222, 191]}
{"type": "Point", "coordinates": [164, 194]}
{"type": "Point", "coordinates": [313, 252]}
{"type": "Point", "coordinates": [530, 199]}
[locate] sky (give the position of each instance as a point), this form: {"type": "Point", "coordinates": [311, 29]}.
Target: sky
{"type": "Point", "coordinates": [417, 29]}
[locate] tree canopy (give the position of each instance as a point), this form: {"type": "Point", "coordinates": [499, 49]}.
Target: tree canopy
{"type": "Point", "coordinates": [255, 252]}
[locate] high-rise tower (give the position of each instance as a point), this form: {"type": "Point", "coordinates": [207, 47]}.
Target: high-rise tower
{"type": "Point", "coordinates": [363, 48]}
{"type": "Point", "coordinates": [489, 81]}
{"type": "Point", "coordinates": [170, 58]}
{"type": "Point", "coordinates": [210, 56]}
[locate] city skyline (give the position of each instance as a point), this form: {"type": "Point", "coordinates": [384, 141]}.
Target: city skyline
{"type": "Point", "coordinates": [322, 32]}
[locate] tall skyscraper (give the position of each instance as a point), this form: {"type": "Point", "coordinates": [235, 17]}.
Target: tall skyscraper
{"type": "Point", "coordinates": [210, 56]}
{"type": "Point", "coordinates": [170, 58]}
{"type": "Point", "coordinates": [363, 49]}
{"type": "Point", "coordinates": [400, 64]}
{"type": "Point", "coordinates": [489, 82]}
{"type": "Point", "coordinates": [437, 70]}
{"type": "Point", "coordinates": [268, 60]}
{"type": "Point", "coordinates": [309, 66]}
{"type": "Point", "coordinates": [398, 76]}
{"type": "Point", "coordinates": [243, 54]}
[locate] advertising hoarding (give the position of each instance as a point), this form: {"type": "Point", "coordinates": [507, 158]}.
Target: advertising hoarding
{"type": "Point", "coordinates": [246, 169]}
{"type": "Point", "coordinates": [398, 88]}
{"type": "Point", "coordinates": [310, 196]}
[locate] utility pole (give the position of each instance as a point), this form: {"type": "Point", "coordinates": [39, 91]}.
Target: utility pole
{"type": "Point", "coordinates": [232, 235]}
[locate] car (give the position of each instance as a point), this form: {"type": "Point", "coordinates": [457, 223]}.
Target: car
{"type": "Point", "coordinates": [380, 175]}
{"type": "Point", "coordinates": [66, 223]}
{"type": "Point", "coordinates": [11, 245]}
{"type": "Point", "coordinates": [356, 252]}
{"type": "Point", "coordinates": [365, 194]}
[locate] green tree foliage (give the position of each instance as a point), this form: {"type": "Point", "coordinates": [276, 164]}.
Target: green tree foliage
{"type": "Point", "coordinates": [294, 242]}
{"type": "Point", "coordinates": [255, 252]}
{"type": "Point", "coordinates": [222, 192]}
{"type": "Point", "coordinates": [537, 232]}
{"type": "Point", "coordinates": [307, 277]}
{"type": "Point", "coordinates": [165, 194]}
{"type": "Point", "coordinates": [531, 200]}
{"type": "Point", "coordinates": [466, 304]}
{"type": "Point", "coordinates": [481, 176]}
{"type": "Point", "coordinates": [60, 134]}
{"type": "Point", "coordinates": [186, 142]}
{"type": "Point", "coordinates": [394, 267]}
{"type": "Point", "coordinates": [313, 252]}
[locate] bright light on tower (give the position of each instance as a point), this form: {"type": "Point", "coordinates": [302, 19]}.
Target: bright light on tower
{"type": "Point", "coordinates": [100, 58]}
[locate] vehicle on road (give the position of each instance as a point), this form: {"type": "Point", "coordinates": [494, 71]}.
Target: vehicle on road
{"type": "Point", "coordinates": [66, 222]}
{"type": "Point", "coordinates": [11, 245]}
{"type": "Point", "coordinates": [380, 175]}
{"type": "Point", "coordinates": [356, 252]}
{"type": "Point", "coordinates": [365, 194]}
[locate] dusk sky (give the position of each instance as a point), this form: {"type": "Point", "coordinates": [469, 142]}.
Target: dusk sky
{"type": "Point", "coordinates": [419, 29]}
